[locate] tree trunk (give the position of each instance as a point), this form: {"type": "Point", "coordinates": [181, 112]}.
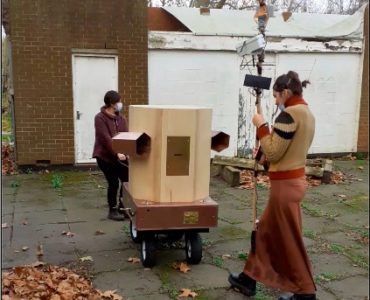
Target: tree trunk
{"type": "Point", "coordinates": [220, 4]}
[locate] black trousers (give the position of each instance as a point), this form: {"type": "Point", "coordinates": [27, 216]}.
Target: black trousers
{"type": "Point", "coordinates": [114, 173]}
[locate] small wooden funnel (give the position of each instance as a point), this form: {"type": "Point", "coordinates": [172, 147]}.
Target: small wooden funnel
{"type": "Point", "coordinates": [220, 141]}
{"type": "Point", "coordinates": [131, 143]}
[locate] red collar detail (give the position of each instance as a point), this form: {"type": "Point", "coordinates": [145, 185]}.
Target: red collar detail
{"type": "Point", "coordinates": [294, 100]}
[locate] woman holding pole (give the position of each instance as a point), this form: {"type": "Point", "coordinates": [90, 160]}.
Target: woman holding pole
{"type": "Point", "coordinates": [280, 259]}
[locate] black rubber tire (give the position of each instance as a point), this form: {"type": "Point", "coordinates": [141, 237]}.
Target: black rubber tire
{"type": "Point", "coordinates": [193, 248]}
{"type": "Point", "coordinates": [135, 235]}
{"type": "Point", "coordinates": [148, 255]}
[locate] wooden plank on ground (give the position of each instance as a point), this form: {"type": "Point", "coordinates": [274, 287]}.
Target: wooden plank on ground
{"type": "Point", "coordinates": [231, 175]}
{"type": "Point", "coordinates": [239, 162]}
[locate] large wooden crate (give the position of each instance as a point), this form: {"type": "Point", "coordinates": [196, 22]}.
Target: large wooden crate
{"type": "Point", "coordinates": [178, 165]}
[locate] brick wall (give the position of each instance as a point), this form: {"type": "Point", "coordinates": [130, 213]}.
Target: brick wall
{"type": "Point", "coordinates": [43, 34]}
{"type": "Point", "coordinates": [363, 133]}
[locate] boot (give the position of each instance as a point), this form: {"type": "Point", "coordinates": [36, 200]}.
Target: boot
{"type": "Point", "coordinates": [115, 215]}
{"type": "Point", "coordinates": [244, 283]}
{"type": "Point", "coordinates": [304, 297]}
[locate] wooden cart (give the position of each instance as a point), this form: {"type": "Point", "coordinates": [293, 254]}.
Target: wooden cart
{"type": "Point", "coordinates": [168, 189]}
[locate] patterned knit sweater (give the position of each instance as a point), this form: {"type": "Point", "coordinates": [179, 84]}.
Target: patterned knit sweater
{"type": "Point", "coordinates": [287, 145]}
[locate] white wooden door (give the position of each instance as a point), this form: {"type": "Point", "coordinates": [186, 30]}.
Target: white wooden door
{"type": "Point", "coordinates": [93, 76]}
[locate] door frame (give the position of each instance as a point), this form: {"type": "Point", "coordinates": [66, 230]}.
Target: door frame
{"type": "Point", "coordinates": [103, 53]}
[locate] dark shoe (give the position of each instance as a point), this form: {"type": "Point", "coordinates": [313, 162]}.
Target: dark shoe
{"type": "Point", "coordinates": [243, 283]}
{"type": "Point", "coordinates": [304, 297]}
{"type": "Point", "coordinates": [298, 297]}
{"type": "Point", "coordinates": [286, 296]}
{"type": "Point", "coordinates": [115, 215]}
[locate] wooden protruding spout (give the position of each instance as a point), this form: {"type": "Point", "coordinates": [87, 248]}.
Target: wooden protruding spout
{"type": "Point", "coordinates": [131, 143]}
{"type": "Point", "coordinates": [220, 141]}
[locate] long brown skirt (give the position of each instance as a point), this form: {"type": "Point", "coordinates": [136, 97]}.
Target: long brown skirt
{"type": "Point", "coordinates": [280, 260]}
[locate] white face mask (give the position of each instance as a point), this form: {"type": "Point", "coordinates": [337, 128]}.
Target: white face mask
{"type": "Point", "coordinates": [118, 106]}
{"type": "Point", "coordinates": [281, 107]}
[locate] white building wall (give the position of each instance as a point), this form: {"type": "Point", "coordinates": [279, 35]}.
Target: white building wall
{"type": "Point", "coordinates": [201, 78]}
{"type": "Point", "coordinates": [333, 96]}
{"type": "Point", "coordinates": [210, 76]}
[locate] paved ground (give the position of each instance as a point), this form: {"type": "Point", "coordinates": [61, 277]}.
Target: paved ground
{"type": "Point", "coordinates": [335, 230]}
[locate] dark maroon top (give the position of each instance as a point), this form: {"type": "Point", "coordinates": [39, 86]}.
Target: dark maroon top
{"type": "Point", "coordinates": [107, 126]}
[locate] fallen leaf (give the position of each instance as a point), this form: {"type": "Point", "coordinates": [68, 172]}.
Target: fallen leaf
{"type": "Point", "coordinates": [360, 167]}
{"type": "Point", "coordinates": [133, 260]}
{"type": "Point", "coordinates": [187, 293]}
{"type": "Point", "coordinates": [25, 248]}
{"type": "Point", "coordinates": [226, 256]}
{"type": "Point", "coordinates": [86, 258]}
{"type": "Point", "coordinates": [184, 267]}
{"type": "Point", "coordinates": [4, 225]}
{"type": "Point", "coordinates": [16, 251]}
{"type": "Point", "coordinates": [342, 196]}
{"type": "Point", "coordinates": [24, 222]}
{"type": "Point", "coordinates": [99, 232]}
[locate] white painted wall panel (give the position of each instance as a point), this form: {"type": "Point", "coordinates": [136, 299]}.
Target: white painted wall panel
{"type": "Point", "coordinates": [201, 78]}
{"type": "Point", "coordinates": [214, 79]}
{"type": "Point", "coordinates": [334, 96]}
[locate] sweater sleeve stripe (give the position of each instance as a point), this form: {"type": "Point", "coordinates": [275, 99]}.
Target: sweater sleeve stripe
{"type": "Point", "coordinates": [284, 118]}
{"type": "Point", "coordinates": [284, 134]}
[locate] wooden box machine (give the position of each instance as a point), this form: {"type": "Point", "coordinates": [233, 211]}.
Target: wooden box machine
{"type": "Point", "coordinates": [168, 189]}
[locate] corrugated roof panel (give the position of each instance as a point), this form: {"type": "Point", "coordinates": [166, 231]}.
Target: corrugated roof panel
{"type": "Point", "coordinates": [241, 23]}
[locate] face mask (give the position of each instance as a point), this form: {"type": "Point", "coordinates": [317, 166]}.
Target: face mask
{"type": "Point", "coordinates": [281, 107]}
{"type": "Point", "coordinates": [119, 106]}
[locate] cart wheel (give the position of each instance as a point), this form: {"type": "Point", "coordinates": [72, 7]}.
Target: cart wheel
{"type": "Point", "coordinates": [135, 235]}
{"type": "Point", "coordinates": [148, 253]}
{"type": "Point", "coordinates": [193, 248]}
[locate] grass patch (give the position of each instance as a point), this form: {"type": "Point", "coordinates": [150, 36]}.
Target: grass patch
{"type": "Point", "coordinates": [358, 202]}
{"type": "Point", "coordinates": [242, 256]}
{"type": "Point", "coordinates": [312, 211]}
{"type": "Point", "coordinates": [6, 122]}
{"type": "Point", "coordinates": [233, 232]}
{"type": "Point", "coordinates": [207, 242]}
{"type": "Point", "coordinates": [164, 277]}
{"type": "Point", "coordinates": [14, 184]}
{"type": "Point", "coordinates": [326, 277]}
{"type": "Point", "coordinates": [261, 294]}
{"type": "Point", "coordinates": [7, 138]}
{"type": "Point", "coordinates": [358, 260]}
{"type": "Point", "coordinates": [218, 261]}
{"type": "Point", "coordinates": [310, 234]}
{"type": "Point", "coordinates": [57, 181]}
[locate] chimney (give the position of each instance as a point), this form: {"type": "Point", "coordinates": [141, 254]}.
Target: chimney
{"type": "Point", "coordinates": [204, 11]}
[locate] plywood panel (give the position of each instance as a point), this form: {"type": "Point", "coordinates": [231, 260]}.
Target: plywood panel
{"type": "Point", "coordinates": [148, 176]}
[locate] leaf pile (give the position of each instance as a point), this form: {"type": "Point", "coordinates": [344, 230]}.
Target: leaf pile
{"type": "Point", "coordinates": [8, 165]}
{"type": "Point", "coordinates": [247, 180]}
{"type": "Point", "coordinates": [50, 282]}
